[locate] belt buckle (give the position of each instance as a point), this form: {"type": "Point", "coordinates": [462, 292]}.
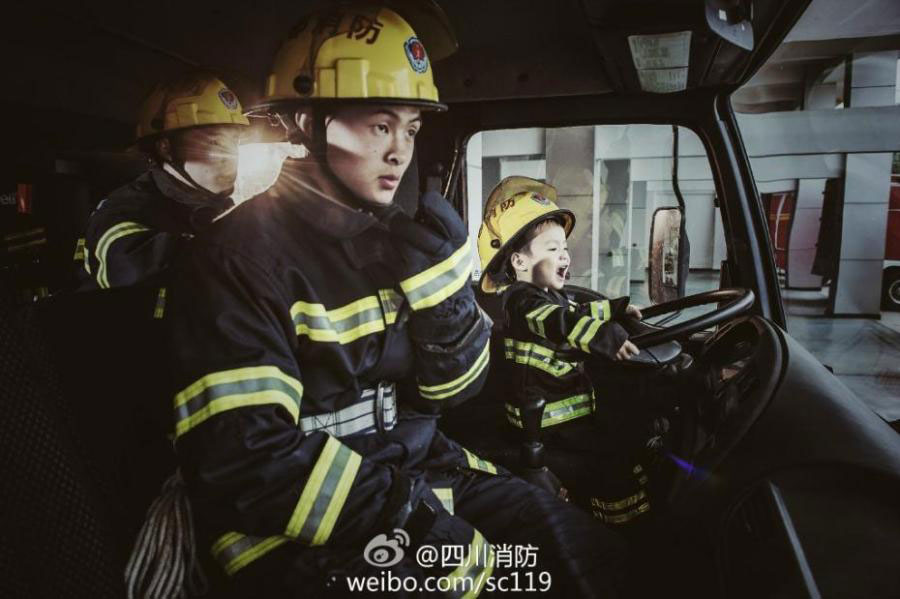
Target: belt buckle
{"type": "Point", "coordinates": [378, 406]}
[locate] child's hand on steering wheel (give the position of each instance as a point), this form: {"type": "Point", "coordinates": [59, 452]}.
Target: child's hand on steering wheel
{"type": "Point", "coordinates": [628, 350]}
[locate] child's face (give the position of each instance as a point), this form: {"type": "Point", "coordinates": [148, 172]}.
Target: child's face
{"type": "Point", "coordinates": [547, 260]}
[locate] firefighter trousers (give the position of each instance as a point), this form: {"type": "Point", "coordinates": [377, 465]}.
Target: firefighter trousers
{"type": "Point", "coordinates": [580, 556]}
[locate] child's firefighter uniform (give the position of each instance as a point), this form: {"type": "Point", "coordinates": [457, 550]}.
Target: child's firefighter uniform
{"type": "Point", "coordinates": [313, 348]}
{"type": "Point", "coordinates": [548, 341]}
{"type": "Point", "coordinates": [134, 233]}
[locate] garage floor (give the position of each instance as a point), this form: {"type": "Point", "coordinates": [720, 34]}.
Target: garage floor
{"type": "Point", "coordinates": [864, 352]}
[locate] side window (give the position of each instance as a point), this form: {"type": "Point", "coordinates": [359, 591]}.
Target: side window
{"type": "Point", "coordinates": [613, 177]}
{"type": "Point", "coordinates": [824, 147]}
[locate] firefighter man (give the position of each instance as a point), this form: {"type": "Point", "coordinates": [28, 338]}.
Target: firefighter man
{"type": "Point", "coordinates": [189, 127]}
{"type": "Point", "coordinates": [551, 344]}
{"type": "Point", "coordinates": [318, 331]}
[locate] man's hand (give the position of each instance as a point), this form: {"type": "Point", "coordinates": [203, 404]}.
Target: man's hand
{"type": "Point", "coordinates": [633, 311]}
{"type": "Point", "coordinates": [628, 350]}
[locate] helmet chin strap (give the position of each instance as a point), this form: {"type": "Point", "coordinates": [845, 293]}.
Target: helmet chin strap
{"type": "Point", "coordinates": [317, 145]}
{"type": "Point", "coordinates": [176, 167]}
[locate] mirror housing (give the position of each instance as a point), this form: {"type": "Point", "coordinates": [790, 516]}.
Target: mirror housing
{"type": "Point", "coordinates": [732, 20]}
{"type": "Point", "coordinates": [669, 256]}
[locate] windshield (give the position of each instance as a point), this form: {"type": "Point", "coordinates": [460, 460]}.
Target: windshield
{"type": "Point", "coordinates": [614, 178]}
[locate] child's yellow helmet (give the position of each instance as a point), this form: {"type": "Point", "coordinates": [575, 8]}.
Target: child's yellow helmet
{"type": "Point", "coordinates": [514, 205]}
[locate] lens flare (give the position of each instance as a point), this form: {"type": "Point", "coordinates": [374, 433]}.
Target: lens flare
{"type": "Point", "coordinates": [688, 467]}
{"type": "Point", "coordinates": [259, 165]}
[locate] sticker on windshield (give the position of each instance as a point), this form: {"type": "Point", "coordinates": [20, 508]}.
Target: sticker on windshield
{"type": "Point", "coordinates": [415, 52]}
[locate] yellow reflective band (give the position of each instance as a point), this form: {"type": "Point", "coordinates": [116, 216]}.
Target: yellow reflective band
{"type": "Point", "coordinates": [324, 493]}
{"type": "Point", "coordinates": [233, 550]}
{"type": "Point", "coordinates": [27, 244]}
{"type": "Point", "coordinates": [477, 463]}
{"type": "Point", "coordinates": [160, 309]}
{"type": "Point", "coordinates": [579, 327]}
{"type": "Point", "coordinates": [536, 317]}
{"type": "Point", "coordinates": [626, 517]}
{"type": "Point", "coordinates": [227, 390]}
{"type": "Point", "coordinates": [536, 356]}
{"type": "Point", "coordinates": [475, 569]}
{"type": "Point", "coordinates": [556, 412]}
{"type": "Point", "coordinates": [600, 310]}
{"type": "Point", "coordinates": [445, 390]}
{"type": "Point", "coordinates": [114, 233]}
{"type": "Point", "coordinates": [390, 304]}
{"type": "Point", "coordinates": [23, 234]}
{"type": "Point", "coordinates": [79, 249]}
{"type": "Point", "coordinates": [341, 325]}
{"type": "Point", "coordinates": [445, 494]}
{"type": "Point", "coordinates": [432, 286]}
{"type": "Point", "coordinates": [616, 506]}
{"type": "Point", "coordinates": [585, 342]}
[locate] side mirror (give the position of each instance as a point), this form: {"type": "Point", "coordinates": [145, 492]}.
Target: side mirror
{"type": "Point", "coordinates": [732, 20]}
{"type": "Point", "coordinates": [670, 254]}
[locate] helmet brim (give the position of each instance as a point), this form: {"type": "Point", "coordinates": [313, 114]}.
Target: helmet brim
{"type": "Point", "coordinates": [277, 106]}
{"type": "Point", "coordinates": [495, 263]}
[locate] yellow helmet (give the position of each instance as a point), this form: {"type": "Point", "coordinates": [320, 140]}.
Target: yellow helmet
{"type": "Point", "coordinates": [515, 204]}
{"type": "Point", "coordinates": [190, 101]}
{"type": "Point", "coordinates": [359, 52]}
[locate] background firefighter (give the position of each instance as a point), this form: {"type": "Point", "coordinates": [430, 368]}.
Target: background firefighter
{"type": "Point", "coordinates": [189, 127]}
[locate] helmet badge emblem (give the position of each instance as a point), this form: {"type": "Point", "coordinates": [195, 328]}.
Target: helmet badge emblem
{"type": "Point", "coordinates": [228, 98]}
{"type": "Point", "coordinates": [540, 199]}
{"type": "Point", "coordinates": [415, 52]}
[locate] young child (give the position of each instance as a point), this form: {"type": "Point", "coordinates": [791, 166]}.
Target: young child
{"type": "Point", "coordinates": [548, 341]}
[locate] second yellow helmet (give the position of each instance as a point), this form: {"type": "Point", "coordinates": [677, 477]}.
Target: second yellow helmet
{"type": "Point", "coordinates": [193, 100]}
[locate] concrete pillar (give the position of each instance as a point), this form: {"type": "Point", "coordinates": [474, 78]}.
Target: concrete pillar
{"type": "Point", "coordinates": [805, 234]}
{"type": "Point", "coordinates": [822, 96]}
{"type": "Point", "coordinates": [474, 183]}
{"type": "Point", "coordinates": [612, 232]}
{"type": "Point", "coordinates": [570, 168]}
{"type": "Point", "coordinates": [873, 81]}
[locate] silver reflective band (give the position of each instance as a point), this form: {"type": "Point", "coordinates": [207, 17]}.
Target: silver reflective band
{"type": "Point", "coordinates": [362, 417]}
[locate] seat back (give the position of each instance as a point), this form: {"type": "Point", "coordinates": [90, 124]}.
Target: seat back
{"type": "Point", "coordinates": [82, 439]}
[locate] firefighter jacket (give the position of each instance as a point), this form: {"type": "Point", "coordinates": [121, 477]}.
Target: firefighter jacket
{"type": "Point", "coordinates": [134, 234]}
{"type": "Point", "coordinates": [546, 340]}
{"type": "Point", "coordinates": [299, 393]}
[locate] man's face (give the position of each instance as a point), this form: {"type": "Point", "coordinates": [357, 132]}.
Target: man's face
{"type": "Point", "coordinates": [546, 260]}
{"type": "Point", "coordinates": [210, 156]}
{"type": "Point", "coordinates": [370, 147]}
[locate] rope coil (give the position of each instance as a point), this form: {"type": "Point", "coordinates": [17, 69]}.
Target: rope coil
{"type": "Point", "coordinates": [163, 562]}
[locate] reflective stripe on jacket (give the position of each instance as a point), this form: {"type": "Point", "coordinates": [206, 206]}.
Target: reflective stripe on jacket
{"type": "Point", "coordinates": [546, 340]}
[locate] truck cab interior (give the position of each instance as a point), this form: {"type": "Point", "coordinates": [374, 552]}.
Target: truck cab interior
{"type": "Point", "coordinates": [772, 479]}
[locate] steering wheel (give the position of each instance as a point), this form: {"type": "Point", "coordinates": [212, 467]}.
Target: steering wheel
{"type": "Point", "coordinates": [736, 302]}
{"type": "Point", "coordinates": [659, 343]}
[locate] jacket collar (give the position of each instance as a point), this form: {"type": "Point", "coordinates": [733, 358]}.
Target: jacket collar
{"type": "Point", "coordinates": [182, 193]}
{"type": "Point", "coordinates": [322, 202]}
